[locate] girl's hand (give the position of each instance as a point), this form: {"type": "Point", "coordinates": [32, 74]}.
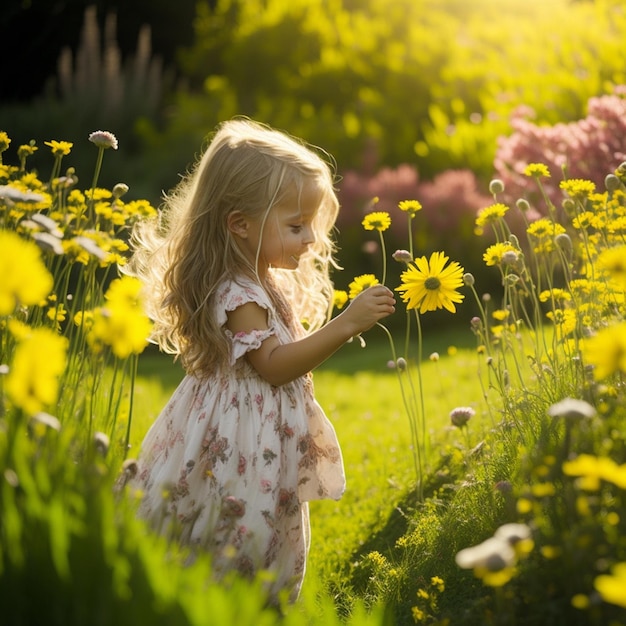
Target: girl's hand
{"type": "Point", "coordinates": [369, 307]}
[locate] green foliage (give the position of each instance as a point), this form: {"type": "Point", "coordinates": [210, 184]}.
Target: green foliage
{"type": "Point", "coordinates": [72, 552]}
{"type": "Point", "coordinates": [376, 83]}
{"type": "Point", "coordinates": [554, 460]}
{"type": "Point", "coordinates": [432, 83]}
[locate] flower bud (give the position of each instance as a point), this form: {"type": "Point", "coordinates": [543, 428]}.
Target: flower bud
{"type": "Point", "coordinates": [611, 182]}
{"type": "Point", "coordinates": [523, 205]}
{"type": "Point", "coordinates": [101, 443]}
{"type": "Point", "coordinates": [569, 206]}
{"type": "Point", "coordinates": [401, 364]}
{"type": "Point", "coordinates": [434, 356]}
{"type": "Point", "coordinates": [564, 243]}
{"type": "Point", "coordinates": [130, 468]}
{"type": "Point", "coordinates": [468, 279]}
{"type": "Point", "coordinates": [496, 186]}
{"type": "Point", "coordinates": [461, 415]}
{"type": "Point", "coordinates": [510, 257]}
{"type": "Point", "coordinates": [476, 322]}
{"type": "Point", "coordinates": [119, 190]}
{"type": "Point", "coordinates": [402, 256]}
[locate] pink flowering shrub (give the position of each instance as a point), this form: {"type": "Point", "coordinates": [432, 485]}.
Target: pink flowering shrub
{"type": "Point", "coordinates": [587, 149]}
{"type": "Point", "coordinates": [450, 202]}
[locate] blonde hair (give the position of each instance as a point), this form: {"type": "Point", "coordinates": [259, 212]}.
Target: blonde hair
{"type": "Point", "coordinates": [184, 254]}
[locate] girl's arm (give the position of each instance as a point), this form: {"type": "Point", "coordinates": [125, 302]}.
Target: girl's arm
{"type": "Point", "coordinates": [281, 363]}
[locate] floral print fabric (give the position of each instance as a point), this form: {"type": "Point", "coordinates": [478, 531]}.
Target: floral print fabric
{"type": "Point", "coordinates": [231, 462]}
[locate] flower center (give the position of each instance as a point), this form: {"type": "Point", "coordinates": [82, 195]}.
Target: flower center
{"type": "Point", "coordinates": [432, 283]}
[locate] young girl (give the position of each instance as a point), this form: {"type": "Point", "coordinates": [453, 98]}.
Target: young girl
{"type": "Point", "coordinates": [235, 270]}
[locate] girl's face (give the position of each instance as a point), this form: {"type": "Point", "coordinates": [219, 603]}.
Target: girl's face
{"type": "Point", "coordinates": [287, 232]}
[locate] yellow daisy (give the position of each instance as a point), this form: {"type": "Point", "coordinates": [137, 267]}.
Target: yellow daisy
{"type": "Point", "coordinates": [378, 220]}
{"type": "Point", "coordinates": [493, 254]}
{"type": "Point", "coordinates": [491, 214]}
{"type": "Point", "coordinates": [25, 278]}
{"type": "Point", "coordinates": [410, 206]}
{"type": "Point", "coordinates": [429, 285]}
{"type": "Point", "coordinates": [606, 351]}
{"type": "Point", "coordinates": [611, 587]}
{"type": "Point", "coordinates": [340, 297]}
{"type": "Point", "coordinates": [361, 283]}
{"type": "Point", "coordinates": [59, 148]}
{"type": "Point", "coordinates": [537, 170]}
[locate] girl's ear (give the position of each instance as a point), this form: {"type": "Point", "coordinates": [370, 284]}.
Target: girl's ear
{"type": "Point", "coordinates": [237, 224]}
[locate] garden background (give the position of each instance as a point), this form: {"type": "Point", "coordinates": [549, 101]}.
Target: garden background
{"type": "Point", "coordinates": [458, 105]}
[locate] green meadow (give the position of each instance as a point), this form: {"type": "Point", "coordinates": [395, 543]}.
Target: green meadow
{"type": "Point", "coordinates": [485, 455]}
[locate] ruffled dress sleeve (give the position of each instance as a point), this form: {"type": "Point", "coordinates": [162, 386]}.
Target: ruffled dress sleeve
{"type": "Point", "coordinates": [230, 296]}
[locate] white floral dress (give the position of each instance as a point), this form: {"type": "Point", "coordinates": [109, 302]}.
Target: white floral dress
{"type": "Point", "coordinates": [231, 462]}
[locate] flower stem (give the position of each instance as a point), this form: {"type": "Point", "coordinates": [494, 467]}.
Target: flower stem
{"type": "Point", "coordinates": [94, 182]}
{"type": "Point", "coordinates": [133, 376]}
{"type": "Point", "coordinates": [420, 341]}
{"type": "Point", "coordinates": [410, 410]}
{"type": "Point", "coordinates": [384, 253]}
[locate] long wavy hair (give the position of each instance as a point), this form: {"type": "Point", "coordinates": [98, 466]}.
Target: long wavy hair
{"type": "Point", "coordinates": [184, 254]}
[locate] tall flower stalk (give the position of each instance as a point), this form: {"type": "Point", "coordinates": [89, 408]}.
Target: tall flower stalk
{"type": "Point", "coordinates": [426, 285]}
{"type": "Point", "coordinates": [60, 247]}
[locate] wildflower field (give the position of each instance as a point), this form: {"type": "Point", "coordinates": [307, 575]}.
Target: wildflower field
{"type": "Point", "coordinates": [486, 465]}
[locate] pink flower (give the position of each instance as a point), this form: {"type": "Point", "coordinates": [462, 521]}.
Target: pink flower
{"type": "Point", "coordinates": [461, 415]}
{"type": "Point", "coordinates": [103, 139]}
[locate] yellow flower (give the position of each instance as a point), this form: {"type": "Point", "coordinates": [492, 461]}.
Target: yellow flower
{"type": "Point", "coordinates": [555, 294]}
{"type": "Point", "coordinates": [340, 298]}
{"type": "Point", "coordinates": [591, 469]}
{"type": "Point", "coordinates": [612, 587]}
{"type": "Point", "coordinates": [25, 278]}
{"type": "Point", "coordinates": [613, 260]}
{"type": "Point", "coordinates": [84, 319]}
{"type": "Point", "coordinates": [140, 208]}
{"type": "Point", "coordinates": [537, 170]}
{"type": "Point", "coordinates": [606, 351]}
{"type": "Point", "coordinates": [491, 214]}
{"type": "Point", "coordinates": [584, 221]}
{"type": "Point", "coordinates": [5, 141]}
{"type": "Point", "coordinates": [59, 148]}
{"type": "Point", "coordinates": [57, 313]}
{"type": "Point", "coordinates": [378, 220]}
{"type": "Point", "coordinates": [122, 323]}
{"type": "Point", "coordinates": [494, 253]}
{"type": "Point", "coordinates": [26, 150]}
{"type": "Point", "coordinates": [501, 314]}
{"type": "Point", "coordinates": [33, 380]}
{"type": "Point", "coordinates": [124, 292]}
{"type": "Point", "coordinates": [418, 614]}
{"type": "Point", "coordinates": [544, 231]}
{"type": "Point", "coordinates": [410, 206]}
{"type": "Point", "coordinates": [577, 187]}
{"type": "Point", "coordinates": [566, 321]}
{"type": "Point", "coordinates": [430, 285]}
{"type": "Point", "coordinates": [361, 283]}
{"type": "Point", "coordinates": [550, 552]}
